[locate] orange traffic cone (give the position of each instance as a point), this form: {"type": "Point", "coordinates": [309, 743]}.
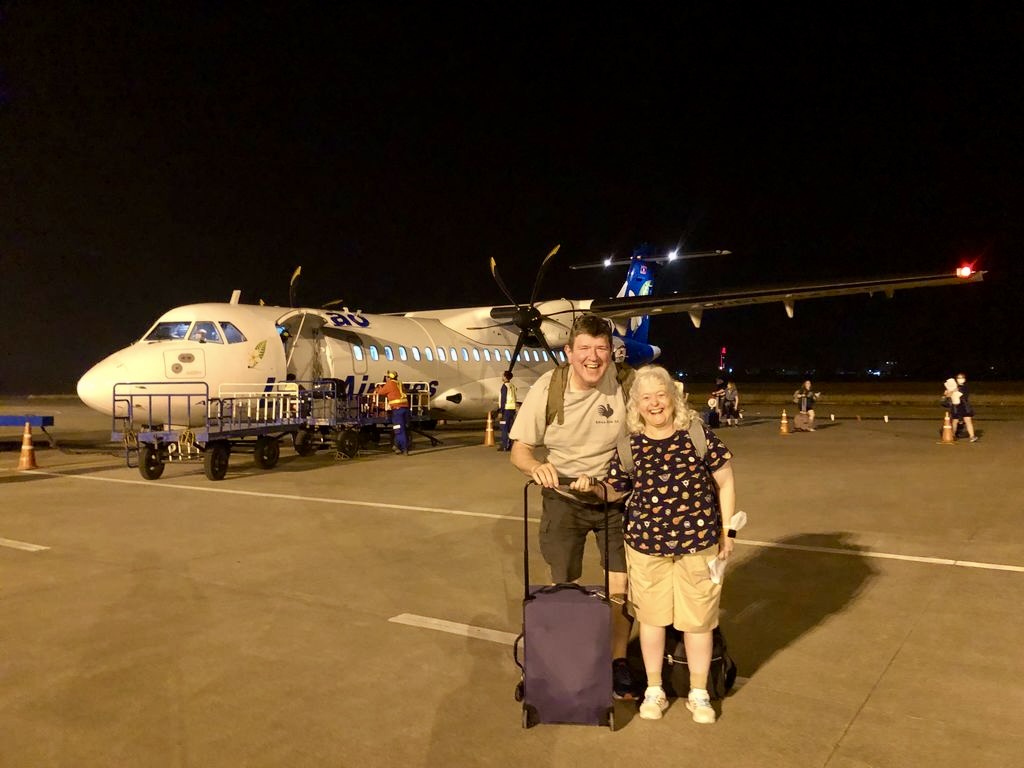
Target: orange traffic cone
{"type": "Point", "coordinates": [489, 431]}
{"type": "Point", "coordinates": [784, 426]}
{"type": "Point", "coordinates": [947, 430]}
{"type": "Point", "coordinates": [28, 452]}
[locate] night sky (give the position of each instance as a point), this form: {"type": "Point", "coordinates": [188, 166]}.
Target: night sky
{"type": "Point", "coordinates": [158, 154]}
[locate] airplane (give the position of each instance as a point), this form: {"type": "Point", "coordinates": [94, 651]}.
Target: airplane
{"type": "Point", "coordinates": [458, 354]}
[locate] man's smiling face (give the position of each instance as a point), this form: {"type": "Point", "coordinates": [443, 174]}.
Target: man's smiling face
{"type": "Point", "coordinates": [589, 357]}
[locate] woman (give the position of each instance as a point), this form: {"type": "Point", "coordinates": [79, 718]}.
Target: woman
{"type": "Point", "coordinates": [675, 520]}
{"type": "Point", "coordinates": [962, 410]}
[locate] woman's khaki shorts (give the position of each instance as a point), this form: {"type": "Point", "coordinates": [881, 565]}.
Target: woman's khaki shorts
{"type": "Point", "coordinates": [674, 590]}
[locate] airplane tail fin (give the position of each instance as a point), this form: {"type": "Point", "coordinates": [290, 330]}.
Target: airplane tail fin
{"type": "Point", "coordinates": [639, 282]}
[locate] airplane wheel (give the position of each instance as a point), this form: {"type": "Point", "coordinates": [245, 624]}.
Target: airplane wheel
{"type": "Point", "coordinates": [151, 466]}
{"type": "Point", "coordinates": [348, 443]}
{"type": "Point", "coordinates": [267, 452]}
{"type": "Point", "coordinates": [215, 460]}
{"type": "Point", "coordinates": [304, 443]}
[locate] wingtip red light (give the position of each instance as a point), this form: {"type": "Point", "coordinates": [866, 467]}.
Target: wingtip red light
{"type": "Point", "coordinates": [964, 272]}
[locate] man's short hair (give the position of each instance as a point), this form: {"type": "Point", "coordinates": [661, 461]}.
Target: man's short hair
{"type": "Point", "coordinates": [590, 325]}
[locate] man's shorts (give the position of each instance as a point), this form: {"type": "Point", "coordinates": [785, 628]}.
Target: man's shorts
{"type": "Point", "coordinates": [677, 590]}
{"type": "Point", "coordinates": [564, 525]}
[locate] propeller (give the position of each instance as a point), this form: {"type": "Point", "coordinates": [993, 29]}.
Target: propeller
{"type": "Point", "coordinates": [526, 317]}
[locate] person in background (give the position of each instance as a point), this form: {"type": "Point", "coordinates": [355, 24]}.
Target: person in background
{"type": "Point", "coordinates": [398, 402]}
{"type": "Point", "coordinates": [579, 444]}
{"type": "Point", "coordinates": [731, 404]}
{"type": "Point", "coordinates": [507, 409]}
{"type": "Point", "coordinates": [716, 403]}
{"type": "Point", "coordinates": [676, 520]}
{"type": "Point", "coordinates": [963, 411]}
{"type": "Point", "coordinates": [805, 397]}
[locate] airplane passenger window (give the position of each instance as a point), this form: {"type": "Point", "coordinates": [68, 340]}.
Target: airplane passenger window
{"type": "Point", "coordinates": [374, 355]}
{"type": "Point", "coordinates": [357, 351]}
{"type": "Point", "coordinates": [544, 354]}
{"type": "Point", "coordinates": [508, 356]}
{"type": "Point", "coordinates": [536, 356]}
{"type": "Point", "coordinates": [440, 354]}
{"type": "Point", "coordinates": [231, 333]}
{"type": "Point", "coordinates": [401, 354]}
{"type": "Point", "coordinates": [476, 354]}
{"type": "Point", "coordinates": [497, 355]}
{"type": "Point", "coordinates": [416, 354]}
{"type": "Point", "coordinates": [487, 354]}
{"type": "Point", "coordinates": [388, 352]}
{"type": "Point", "coordinates": [455, 355]}
{"type": "Point", "coordinates": [465, 354]}
{"type": "Point", "coordinates": [205, 332]}
{"type": "Point", "coordinates": [561, 354]}
{"type": "Point", "coordinates": [428, 354]}
{"type": "Point", "coordinates": [168, 331]}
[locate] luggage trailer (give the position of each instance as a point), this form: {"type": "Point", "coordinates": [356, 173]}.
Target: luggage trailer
{"type": "Point", "coordinates": [160, 422]}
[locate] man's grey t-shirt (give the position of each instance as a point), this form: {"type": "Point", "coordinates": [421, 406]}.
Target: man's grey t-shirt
{"type": "Point", "coordinates": [585, 442]}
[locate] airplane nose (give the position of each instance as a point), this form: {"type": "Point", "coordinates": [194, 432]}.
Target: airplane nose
{"type": "Point", "coordinates": [95, 389]}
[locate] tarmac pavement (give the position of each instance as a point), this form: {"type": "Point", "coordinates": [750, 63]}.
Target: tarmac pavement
{"type": "Point", "coordinates": [291, 617]}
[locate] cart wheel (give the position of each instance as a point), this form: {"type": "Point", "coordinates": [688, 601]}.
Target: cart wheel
{"type": "Point", "coordinates": [519, 691]}
{"type": "Point", "coordinates": [267, 452]}
{"type": "Point", "coordinates": [151, 466]}
{"type": "Point", "coordinates": [348, 443]}
{"type": "Point", "coordinates": [215, 460]}
{"type": "Point", "coordinates": [304, 443]}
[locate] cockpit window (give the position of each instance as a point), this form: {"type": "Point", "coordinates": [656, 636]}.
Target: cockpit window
{"type": "Point", "coordinates": [205, 332]}
{"type": "Point", "coordinates": [169, 331]}
{"type": "Point", "coordinates": [231, 333]}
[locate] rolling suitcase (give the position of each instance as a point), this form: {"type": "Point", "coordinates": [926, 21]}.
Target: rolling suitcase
{"type": "Point", "coordinates": [565, 649]}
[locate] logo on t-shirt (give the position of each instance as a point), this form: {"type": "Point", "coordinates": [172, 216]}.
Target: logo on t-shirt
{"type": "Point", "coordinates": [606, 411]}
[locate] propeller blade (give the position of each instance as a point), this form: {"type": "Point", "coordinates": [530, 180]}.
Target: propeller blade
{"type": "Point", "coordinates": [501, 283]}
{"type": "Point", "coordinates": [291, 286]}
{"type": "Point", "coordinates": [519, 347]}
{"type": "Point", "coordinates": [540, 273]}
{"type": "Point", "coordinates": [509, 324]}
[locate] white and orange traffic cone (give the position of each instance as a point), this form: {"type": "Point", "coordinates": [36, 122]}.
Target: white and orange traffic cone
{"type": "Point", "coordinates": [784, 426]}
{"type": "Point", "coordinates": [947, 430]}
{"type": "Point", "coordinates": [489, 431]}
{"type": "Point", "coordinates": [28, 452]}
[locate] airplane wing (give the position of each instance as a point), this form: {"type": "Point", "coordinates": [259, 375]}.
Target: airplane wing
{"type": "Point", "coordinates": [695, 304]}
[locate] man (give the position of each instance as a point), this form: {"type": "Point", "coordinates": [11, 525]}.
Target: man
{"type": "Point", "coordinates": [507, 407]}
{"type": "Point", "coordinates": [391, 388]}
{"type": "Point", "coordinates": [580, 442]}
{"type": "Point", "coordinates": [805, 397]}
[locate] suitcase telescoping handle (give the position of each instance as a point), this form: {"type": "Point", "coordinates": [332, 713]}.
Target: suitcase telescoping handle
{"type": "Point", "coordinates": [526, 541]}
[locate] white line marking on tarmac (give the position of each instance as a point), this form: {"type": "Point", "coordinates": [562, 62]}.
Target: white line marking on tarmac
{"type": "Point", "coordinates": [287, 496]}
{"type": "Point", "coordinates": [518, 519]}
{"type": "Point", "coordinates": [454, 628]}
{"type": "Point", "coordinates": [886, 556]}
{"type": "Point", "coordinates": [11, 543]}
{"type": "Point", "coordinates": [479, 633]}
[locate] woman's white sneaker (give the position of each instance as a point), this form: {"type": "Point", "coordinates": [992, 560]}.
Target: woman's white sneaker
{"type": "Point", "coordinates": [654, 704]}
{"type": "Point", "coordinates": [700, 705]}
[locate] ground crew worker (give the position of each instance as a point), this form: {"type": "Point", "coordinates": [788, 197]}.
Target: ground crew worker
{"type": "Point", "coordinates": [398, 402]}
{"type": "Point", "coordinates": [507, 406]}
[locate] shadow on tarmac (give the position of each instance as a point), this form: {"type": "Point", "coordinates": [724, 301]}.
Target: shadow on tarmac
{"type": "Point", "coordinates": [776, 596]}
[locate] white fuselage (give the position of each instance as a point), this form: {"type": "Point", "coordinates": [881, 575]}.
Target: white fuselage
{"type": "Point", "coordinates": [203, 347]}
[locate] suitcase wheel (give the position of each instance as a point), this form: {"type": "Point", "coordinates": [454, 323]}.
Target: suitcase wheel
{"type": "Point", "coordinates": [519, 691]}
{"type": "Point", "coordinates": [530, 718]}
{"type": "Point", "coordinates": [611, 718]}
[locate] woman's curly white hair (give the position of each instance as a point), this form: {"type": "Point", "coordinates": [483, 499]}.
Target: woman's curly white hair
{"type": "Point", "coordinates": [655, 373]}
